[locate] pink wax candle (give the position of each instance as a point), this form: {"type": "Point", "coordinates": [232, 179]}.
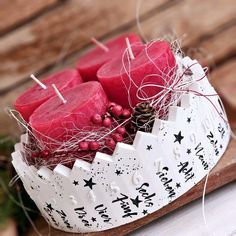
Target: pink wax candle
{"type": "Point", "coordinates": [89, 64]}
{"type": "Point", "coordinates": [35, 96]}
{"type": "Point", "coordinates": [153, 65]}
{"type": "Point", "coordinates": [55, 120]}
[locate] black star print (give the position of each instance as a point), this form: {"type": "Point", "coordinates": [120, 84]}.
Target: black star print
{"type": "Point", "coordinates": [136, 201]}
{"type": "Point", "coordinates": [178, 185]}
{"type": "Point", "coordinates": [145, 212]}
{"type": "Point", "coordinates": [149, 147]}
{"type": "Point", "coordinates": [188, 151]}
{"type": "Point", "coordinates": [221, 146]}
{"type": "Point", "coordinates": [89, 183]}
{"type": "Point", "coordinates": [75, 182]}
{"type": "Point", "coordinates": [118, 172]}
{"type": "Point", "coordinates": [49, 206]}
{"type": "Point", "coordinates": [178, 137]}
{"type": "Point", "coordinates": [93, 219]}
{"type": "Point", "coordinates": [188, 119]}
{"type": "Point", "coordinates": [40, 176]}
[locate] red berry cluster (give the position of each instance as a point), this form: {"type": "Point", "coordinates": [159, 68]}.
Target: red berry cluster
{"type": "Point", "coordinates": [45, 154]}
{"type": "Point", "coordinates": [116, 112]}
{"type": "Point", "coordinates": [114, 115]}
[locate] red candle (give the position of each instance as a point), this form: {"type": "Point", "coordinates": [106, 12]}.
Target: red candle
{"type": "Point", "coordinates": [156, 60]}
{"type": "Point", "coordinates": [34, 97]}
{"type": "Point", "coordinates": [89, 64]}
{"type": "Point", "coordinates": [59, 121]}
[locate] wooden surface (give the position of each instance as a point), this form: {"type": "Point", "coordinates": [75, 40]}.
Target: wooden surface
{"type": "Point", "coordinates": [17, 12]}
{"type": "Point", "coordinates": [46, 35]}
{"type": "Point", "coordinates": [220, 211]}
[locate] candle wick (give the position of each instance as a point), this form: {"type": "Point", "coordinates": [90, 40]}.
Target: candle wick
{"type": "Point", "coordinates": [129, 49]}
{"type": "Point", "coordinates": [100, 45]}
{"type": "Point", "coordinates": [59, 94]}
{"type": "Point", "coordinates": [38, 81]}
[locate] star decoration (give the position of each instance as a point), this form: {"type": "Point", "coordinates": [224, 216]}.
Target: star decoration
{"type": "Point", "coordinates": [178, 137]}
{"type": "Point", "coordinates": [118, 172]}
{"type": "Point", "coordinates": [189, 119]}
{"type": "Point", "coordinates": [93, 219]}
{"type": "Point", "coordinates": [221, 146]}
{"type": "Point", "coordinates": [188, 151]}
{"type": "Point", "coordinates": [89, 183]}
{"type": "Point", "coordinates": [40, 176]}
{"type": "Point", "coordinates": [75, 182]}
{"type": "Point", "coordinates": [136, 201]}
{"type": "Point", "coordinates": [49, 206]}
{"type": "Point", "coordinates": [149, 147]}
{"type": "Point", "coordinates": [178, 185]}
{"type": "Point", "coordinates": [145, 212]}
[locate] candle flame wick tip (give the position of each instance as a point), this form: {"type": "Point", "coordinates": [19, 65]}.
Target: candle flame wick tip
{"type": "Point", "coordinates": [129, 49]}
{"type": "Point", "coordinates": [59, 94]}
{"type": "Point", "coordinates": [100, 44]}
{"type": "Point", "coordinates": [42, 85]}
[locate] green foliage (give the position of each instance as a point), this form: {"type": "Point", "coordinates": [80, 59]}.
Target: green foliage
{"type": "Point", "coordinates": [6, 205]}
{"type": "Point", "coordinates": [10, 195]}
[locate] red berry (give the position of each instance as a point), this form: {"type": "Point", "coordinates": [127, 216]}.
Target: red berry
{"type": "Point", "coordinates": [110, 105]}
{"type": "Point", "coordinates": [107, 122]}
{"type": "Point", "coordinates": [110, 143]}
{"type": "Point", "coordinates": [126, 113]}
{"type": "Point", "coordinates": [117, 110]}
{"type": "Point", "coordinates": [84, 146]}
{"type": "Point", "coordinates": [117, 137]}
{"type": "Point", "coordinates": [34, 155]}
{"type": "Point", "coordinates": [45, 154]}
{"type": "Point", "coordinates": [94, 145]}
{"type": "Point", "coordinates": [121, 130]}
{"type": "Point", "coordinates": [96, 119]}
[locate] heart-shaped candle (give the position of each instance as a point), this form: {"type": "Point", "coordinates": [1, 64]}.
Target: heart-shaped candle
{"type": "Point", "coordinates": [89, 64]}
{"type": "Point", "coordinates": [34, 97]}
{"type": "Point", "coordinates": [152, 67]}
{"type": "Point", "coordinates": [55, 122]}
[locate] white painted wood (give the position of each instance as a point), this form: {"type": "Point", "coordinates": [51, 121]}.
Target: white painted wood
{"type": "Point", "coordinates": [118, 189]}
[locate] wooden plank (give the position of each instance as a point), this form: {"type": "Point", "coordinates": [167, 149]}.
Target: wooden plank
{"type": "Point", "coordinates": [224, 75]}
{"type": "Point", "coordinates": [224, 82]}
{"type": "Point", "coordinates": [36, 46]}
{"type": "Point", "coordinates": [190, 21]}
{"type": "Point", "coordinates": [215, 48]}
{"type": "Point", "coordinates": [14, 13]}
{"type": "Point", "coordinates": [222, 174]}
{"type": "Point", "coordinates": [8, 125]}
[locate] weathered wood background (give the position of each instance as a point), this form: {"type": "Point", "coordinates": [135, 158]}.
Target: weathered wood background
{"type": "Point", "coordinates": [41, 36]}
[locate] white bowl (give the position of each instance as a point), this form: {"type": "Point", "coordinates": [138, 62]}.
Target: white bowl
{"type": "Point", "coordinates": [137, 179]}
